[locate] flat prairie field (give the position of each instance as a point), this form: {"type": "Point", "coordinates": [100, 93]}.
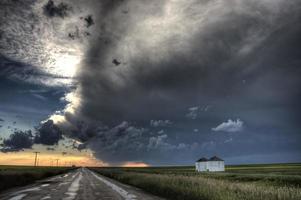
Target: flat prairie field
{"type": "Point", "coordinates": [12, 176]}
{"type": "Point", "coordinates": [247, 182]}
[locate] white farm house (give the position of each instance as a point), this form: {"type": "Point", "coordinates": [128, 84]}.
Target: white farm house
{"type": "Point", "coordinates": [214, 164]}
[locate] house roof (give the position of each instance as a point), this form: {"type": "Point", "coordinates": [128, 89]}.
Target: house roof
{"type": "Point", "coordinates": [202, 159]}
{"type": "Point", "coordinates": [215, 158]}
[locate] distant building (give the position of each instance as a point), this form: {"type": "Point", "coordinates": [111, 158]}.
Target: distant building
{"type": "Point", "coordinates": [214, 164]}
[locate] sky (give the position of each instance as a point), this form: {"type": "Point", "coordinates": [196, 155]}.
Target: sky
{"type": "Point", "coordinates": [139, 83]}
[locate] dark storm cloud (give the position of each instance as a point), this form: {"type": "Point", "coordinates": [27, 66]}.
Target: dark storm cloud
{"type": "Point", "coordinates": [59, 10]}
{"type": "Point", "coordinates": [126, 142]}
{"type": "Point", "coordinates": [48, 134]}
{"type": "Point", "coordinates": [18, 141]}
{"type": "Point", "coordinates": [1, 120]}
{"type": "Point", "coordinates": [149, 89]}
{"type": "Point", "coordinates": [232, 63]}
{"type": "Point", "coordinates": [83, 131]}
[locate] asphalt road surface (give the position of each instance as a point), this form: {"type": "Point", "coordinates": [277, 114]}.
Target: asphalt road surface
{"type": "Point", "coordinates": [81, 184]}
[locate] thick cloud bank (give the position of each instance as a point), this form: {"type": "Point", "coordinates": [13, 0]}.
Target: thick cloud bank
{"type": "Point", "coordinates": [173, 55]}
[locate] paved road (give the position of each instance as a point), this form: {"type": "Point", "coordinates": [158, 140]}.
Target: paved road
{"type": "Point", "coordinates": [81, 184]}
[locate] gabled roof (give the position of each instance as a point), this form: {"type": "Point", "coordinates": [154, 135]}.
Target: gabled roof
{"type": "Point", "coordinates": [215, 158]}
{"type": "Point", "coordinates": [202, 160]}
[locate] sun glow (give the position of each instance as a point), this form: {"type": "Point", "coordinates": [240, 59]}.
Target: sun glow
{"type": "Point", "coordinates": [63, 60]}
{"type": "Point", "coordinates": [49, 159]}
{"type": "Point", "coordinates": [66, 65]}
{"type": "Point", "coordinates": [135, 164]}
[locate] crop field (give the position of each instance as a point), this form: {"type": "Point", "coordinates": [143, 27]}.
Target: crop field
{"type": "Point", "coordinates": [12, 176]}
{"type": "Point", "coordinates": [248, 182]}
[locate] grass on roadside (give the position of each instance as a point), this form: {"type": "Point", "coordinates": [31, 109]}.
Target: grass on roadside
{"type": "Point", "coordinates": [12, 176]}
{"type": "Point", "coordinates": [180, 183]}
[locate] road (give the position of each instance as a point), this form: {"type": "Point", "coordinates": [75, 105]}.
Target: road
{"type": "Point", "coordinates": [81, 184]}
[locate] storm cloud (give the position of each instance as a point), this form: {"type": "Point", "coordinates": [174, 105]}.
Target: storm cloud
{"type": "Point", "coordinates": [48, 134]}
{"type": "Point", "coordinates": [164, 82]}
{"type": "Point", "coordinates": [219, 53]}
{"type": "Point", "coordinates": [18, 141]}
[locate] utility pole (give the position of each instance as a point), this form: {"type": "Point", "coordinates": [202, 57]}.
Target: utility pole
{"type": "Point", "coordinates": [36, 157]}
{"type": "Point", "coordinates": [57, 162]}
{"type": "Point", "coordinates": [64, 153]}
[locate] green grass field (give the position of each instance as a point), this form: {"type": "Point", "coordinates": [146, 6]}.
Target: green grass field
{"type": "Point", "coordinates": [248, 182]}
{"type": "Point", "coordinates": [12, 176]}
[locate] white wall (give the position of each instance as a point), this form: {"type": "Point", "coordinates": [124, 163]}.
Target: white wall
{"type": "Point", "coordinates": [212, 166]}
{"type": "Point", "coordinates": [201, 166]}
{"type": "Point", "coordinates": [216, 166]}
